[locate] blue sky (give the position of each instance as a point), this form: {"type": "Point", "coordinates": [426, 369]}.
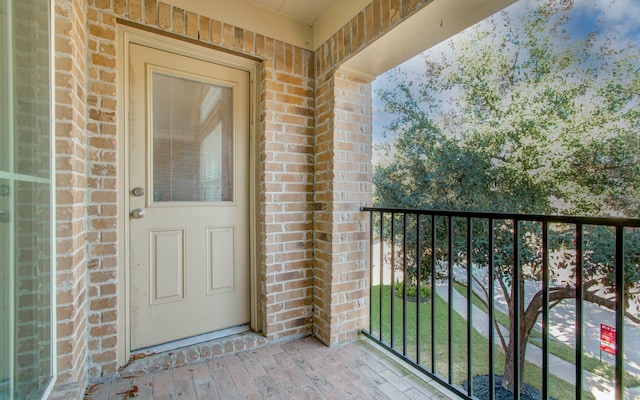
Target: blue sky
{"type": "Point", "coordinates": [612, 18]}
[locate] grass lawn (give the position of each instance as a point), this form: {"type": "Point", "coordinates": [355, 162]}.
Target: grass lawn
{"type": "Point", "coordinates": [559, 349]}
{"type": "Point", "coordinates": [532, 374]}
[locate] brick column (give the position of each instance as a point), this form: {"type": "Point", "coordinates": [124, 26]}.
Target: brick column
{"type": "Point", "coordinates": [342, 185]}
{"type": "Point", "coordinates": [286, 183]}
{"type": "Point", "coordinates": [71, 229]}
{"type": "Point", "coordinates": [343, 172]}
{"type": "Point", "coordinates": [102, 185]}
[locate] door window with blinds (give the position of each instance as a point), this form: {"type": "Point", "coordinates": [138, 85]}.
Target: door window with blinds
{"type": "Point", "coordinates": [192, 132]}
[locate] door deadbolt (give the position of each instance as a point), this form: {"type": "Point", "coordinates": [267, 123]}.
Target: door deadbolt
{"type": "Point", "coordinates": [138, 213]}
{"type": "Point", "coordinates": [138, 192]}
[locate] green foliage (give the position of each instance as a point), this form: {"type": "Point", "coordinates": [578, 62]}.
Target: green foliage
{"type": "Point", "coordinates": [529, 120]}
{"type": "Point", "coordinates": [412, 289]}
{"type": "Point", "coordinates": [520, 116]}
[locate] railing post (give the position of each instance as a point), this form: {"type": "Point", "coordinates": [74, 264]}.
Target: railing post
{"type": "Point", "coordinates": [381, 269]}
{"type": "Point", "coordinates": [545, 310]}
{"type": "Point", "coordinates": [450, 300]}
{"type": "Point", "coordinates": [515, 287]}
{"type": "Point", "coordinates": [418, 288]}
{"type": "Point", "coordinates": [371, 230]}
{"type": "Point", "coordinates": [404, 284]}
{"type": "Point", "coordinates": [620, 308]}
{"type": "Point", "coordinates": [579, 311]}
{"type": "Point", "coordinates": [433, 293]}
{"type": "Point", "coordinates": [492, 381]}
{"type": "Point", "coordinates": [393, 277]}
{"type": "Point", "coordinates": [469, 309]}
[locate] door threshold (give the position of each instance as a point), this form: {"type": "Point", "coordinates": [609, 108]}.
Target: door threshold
{"type": "Point", "coordinates": [193, 340]}
{"type": "Point", "coordinates": [192, 350]}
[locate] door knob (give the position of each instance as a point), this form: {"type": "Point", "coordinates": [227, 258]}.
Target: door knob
{"type": "Point", "coordinates": [138, 213]}
{"type": "Point", "coordinates": [138, 192]}
{"type": "Point", "coordinates": [4, 216]}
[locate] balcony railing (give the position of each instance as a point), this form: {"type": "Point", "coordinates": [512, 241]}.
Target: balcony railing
{"type": "Point", "coordinates": [454, 293]}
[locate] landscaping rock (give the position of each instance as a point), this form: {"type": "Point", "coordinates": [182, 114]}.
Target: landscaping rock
{"type": "Point", "coordinates": [481, 389]}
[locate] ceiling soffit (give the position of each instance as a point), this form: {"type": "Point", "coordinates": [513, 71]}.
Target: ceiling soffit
{"type": "Point", "coordinates": [437, 21]}
{"type": "Point", "coordinates": [310, 23]}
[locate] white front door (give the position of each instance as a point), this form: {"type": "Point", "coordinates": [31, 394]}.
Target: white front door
{"type": "Point", "coordinates": [188, 196]}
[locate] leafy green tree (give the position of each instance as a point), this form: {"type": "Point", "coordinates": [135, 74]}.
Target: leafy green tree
{"type": "Point", "coordinates": [522, 116]}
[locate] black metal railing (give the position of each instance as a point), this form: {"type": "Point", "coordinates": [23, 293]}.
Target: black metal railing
{"type": "Point", "coordinates": [450, 287]}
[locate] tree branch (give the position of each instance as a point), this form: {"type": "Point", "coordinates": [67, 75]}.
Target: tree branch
{"type": "Point", "coordinates": [590, 296]}
{"type": "Point", "coordinates": [555, 304]}
{"type": "Point", "coordinates": [513, 67]}
{"type": "Point", "coordinates": [559, 293]}
{"type": "Point", "coordinates": [486, 293]}
{"type": "Point", "coordinates": [503, 341]}
{"type": "Point", "coordinates": [507, 296]}
{"type": "Point", "coordinates": [586, 285]}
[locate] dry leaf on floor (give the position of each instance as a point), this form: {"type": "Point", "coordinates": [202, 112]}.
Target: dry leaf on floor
{"type": "Point", "coordinates": [138, 356]}
{"type": "Point", "coordinates": [133, 392]}
{"type": "Point", "coordinates": [91, 389]}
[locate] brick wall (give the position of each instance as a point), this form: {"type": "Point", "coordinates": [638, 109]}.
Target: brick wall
{"type": "Point", "coordinates": [314, 149]}
{"type": "Point", "coordinates": [285, 137]}
{"type": "Point", "coordinates": [70, 148]}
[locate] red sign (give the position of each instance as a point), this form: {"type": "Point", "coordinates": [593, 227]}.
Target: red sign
{"type": "Point", "coordinates": [608, 339]}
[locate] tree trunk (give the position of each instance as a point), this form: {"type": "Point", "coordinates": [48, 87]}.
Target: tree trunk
{"type": "Point", "coordinates": [508, 378]}
{"type": "Point", "coordinates": [527, 321]}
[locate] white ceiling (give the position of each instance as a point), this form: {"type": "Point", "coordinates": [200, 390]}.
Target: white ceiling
{"type": "Point", "coordinates": [304, 23]}
{"type": "Point", "coordinates": [307, 11]}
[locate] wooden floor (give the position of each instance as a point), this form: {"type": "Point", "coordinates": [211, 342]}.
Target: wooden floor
{"type": "Point", "coordinates": [302, 369]}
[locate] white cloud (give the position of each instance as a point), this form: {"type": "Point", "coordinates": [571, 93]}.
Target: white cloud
{"type": "Point", "coordinates": [619, 16]}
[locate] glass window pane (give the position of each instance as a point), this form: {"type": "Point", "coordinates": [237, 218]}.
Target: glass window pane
{"type": "Point", "coordinates": [31, 88]}
{"type": "Point", "coordinates": [5, 260]}
{"type": "Point", "coordinates": [5, 82]}
{"type": "Point", "coordinates": [5, 295]}
{"type": "Point", "coordinates": [192, 140]}
{"type": "Point", "coordinates": [32, 278]}
{"type": "Point", "coordinates": [25, 201]}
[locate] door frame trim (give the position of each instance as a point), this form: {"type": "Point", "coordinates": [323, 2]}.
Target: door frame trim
{"type": "Point", "coordinates": [127, 35]}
